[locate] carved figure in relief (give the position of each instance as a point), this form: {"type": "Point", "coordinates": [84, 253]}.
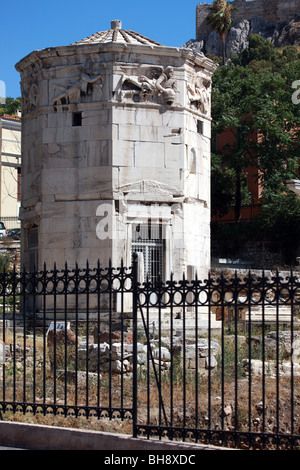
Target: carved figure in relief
{"type": "Point", "coordinates": [71, 92]}
{"type": "Point", "coordinates": [30, 97]}
{"type": "Point", "coordinates": [166, 85]}
{"type": "Point", "coordinates": [136, 88]}
{"type": "Point", "coordinates": [199, 95]}
{"type": "Point", "coordinates": [150, 82]}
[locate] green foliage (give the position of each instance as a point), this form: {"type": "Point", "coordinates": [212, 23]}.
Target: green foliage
{"type": "Point", "coordinates": [11, 106]}
{"type": "Point", "coordinates": [5, 261]}
{"type": "Point", "coordinates": [219, 18]}
{"type": "Point", "coordinates": [291, 53]}
{"type": "Point", "coordinates": [259, 49]}
{"type": "Point", "coordinates": [280, 221]}
{"type": "Point", "coordinates": [223, 188]}
{"type": "Point", "coordinates": [252, 98]}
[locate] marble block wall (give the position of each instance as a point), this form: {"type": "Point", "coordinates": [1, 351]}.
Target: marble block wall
{"type": "Point", "coordinates": [115, 134]}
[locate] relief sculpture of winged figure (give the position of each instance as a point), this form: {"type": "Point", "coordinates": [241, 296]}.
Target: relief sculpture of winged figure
{"type": "Point", "coordinates": [149, 81]}
{"type": "Point", "coordinates": [71, 91]}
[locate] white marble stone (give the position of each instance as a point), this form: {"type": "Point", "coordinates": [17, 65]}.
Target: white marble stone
{"type": "Point", "coordinates": [122, 126]}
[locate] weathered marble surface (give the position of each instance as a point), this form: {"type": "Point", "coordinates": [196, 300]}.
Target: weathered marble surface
{"type": "Point", "coordinates": [118, 126]}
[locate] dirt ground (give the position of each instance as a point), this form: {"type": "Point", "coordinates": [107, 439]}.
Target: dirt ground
{"type": "Point", "coordinates": [277, 418]}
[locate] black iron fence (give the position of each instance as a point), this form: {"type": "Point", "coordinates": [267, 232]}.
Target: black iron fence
{"type": "Point", "coordinates": [214, 361]}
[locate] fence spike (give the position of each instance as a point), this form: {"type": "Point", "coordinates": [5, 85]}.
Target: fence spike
{"type": "Point", "coordinates": [215, 284]}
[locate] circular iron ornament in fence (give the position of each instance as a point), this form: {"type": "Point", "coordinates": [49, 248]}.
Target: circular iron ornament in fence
{"type": "Point", "coordinates": [269, 296]}
{"type": "Point", "coordinates": [150, 298]}
{"type": "Point", "coordinates": [153, 299]}
{"type": "Point", "coordinates": [19, 289]}
{"type": "Point", "coordinates": [190, 297]}
{"type": "Point", "coordinates": [285, 295]}
{"type": "Point", "coordinates": [177, 298]}
{"type": "Point", "coordinates": [104, 285]}
{"type": "Point", "coordinates": [228, 297]}
{"type": "Point", "coordinates": [40, 287]}
{"type": "Point", "coordinates": [60, 286]}
{"type": "Point", "coordinates": [116, 284]}
{"type": "Point", "coordinates": [29, 288]}
{"type": "Point", "coordinates": [82, 285]}
{"type": "Point", "coordinates": [71, 287]}
{"type": "Point", "coordinates": [167, 298]}
{"type": "Point", "coordinates": [202, 298]}
{"type": "Point", "coordinates": [49, 287]}
{"type": "Point", "coordinates": [142, 299]}
{"type": "Point", "coordinates": [92, 286]}
{"type": "Point", "coordinates": [127, 283]}
{"type": "Point", "coordinates": [296, 295]}
{"type": "Point", "coordinates": [215, 297]}
{"type": "Point", "coordinates": [8, 289]}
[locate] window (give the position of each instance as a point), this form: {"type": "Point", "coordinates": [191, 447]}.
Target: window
{"type": "Point", "coordinates": [200, 127]}
{"type": "Point", "coordinates": [148, 239]}
{"type": "Point", "coordinates": [77, 119]}
{"type": "Point", "coordinates": [19, 185]}
{"type": "Point", "coordinates": [193, 162]}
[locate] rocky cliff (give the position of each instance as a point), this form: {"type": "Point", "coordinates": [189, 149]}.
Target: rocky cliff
{"type": "Point", "coordinates": [282, 34]}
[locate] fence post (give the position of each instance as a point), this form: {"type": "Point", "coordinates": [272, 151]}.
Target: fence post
{"type": "Point", "coordinates": [134, 338]}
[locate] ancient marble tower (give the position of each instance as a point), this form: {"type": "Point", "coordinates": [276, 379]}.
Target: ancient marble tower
{"type": "Point", "coordinates": [116, 154]}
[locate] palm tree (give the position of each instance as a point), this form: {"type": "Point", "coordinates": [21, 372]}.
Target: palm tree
{"type": "Point", "coordinates": [220, 20]}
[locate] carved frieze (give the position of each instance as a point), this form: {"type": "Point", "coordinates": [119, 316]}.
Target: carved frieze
{"type": "Point", "coordinates": [72, 91]}
{"type": "Point", "coordinates": [199, 94]}
{"type": "Point", "coordinates": [149, 190]}
{"type": "Point", "coordinates": [30, 96]}
{"type": "Point", "coordinates": [148, 84]}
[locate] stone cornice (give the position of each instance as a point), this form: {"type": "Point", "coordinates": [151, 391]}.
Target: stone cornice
{"type": "Point", "coordinates": [112, 104]}
{"type": "Point", "coordinates": [64, 51]}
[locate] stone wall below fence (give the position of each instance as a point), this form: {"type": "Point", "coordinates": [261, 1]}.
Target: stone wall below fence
{"type": "Point", "coordinates": [249, 255]}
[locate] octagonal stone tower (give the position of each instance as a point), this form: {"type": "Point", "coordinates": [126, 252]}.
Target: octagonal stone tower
{"type": "Point", "coordinates": [116, 154]}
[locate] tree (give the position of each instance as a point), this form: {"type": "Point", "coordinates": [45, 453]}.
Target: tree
{"type": "Point", "coordinates": [11, 106]}
{"type": "Point", "coordinates": [223, 187]}
{"type": "Point", "coordinates": [230, 112]}
{"type": "Point", "coordinates": [220, 20]}
{"type": "Point", "coordinates": [259, 49]}
{"type": "Point", "coordinates": [280, 221]}
{"type": "Point", "coordinates": [254, 103]}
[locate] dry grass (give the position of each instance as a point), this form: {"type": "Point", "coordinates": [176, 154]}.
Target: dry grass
{"type": "Point", "coordinates": [203, 410]}
{"type": "Point", "coordinates": [206, 413]}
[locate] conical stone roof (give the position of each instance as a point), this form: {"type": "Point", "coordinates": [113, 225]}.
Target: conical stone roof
{"type": "Point", "coordinates": [117, 35]}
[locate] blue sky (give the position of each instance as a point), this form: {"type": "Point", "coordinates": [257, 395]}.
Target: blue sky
{"type": "Point", "coordinates": [34, 24]}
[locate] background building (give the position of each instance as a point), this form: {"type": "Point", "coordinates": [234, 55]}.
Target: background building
{"type": "Point", "coordinates": [10, 170]}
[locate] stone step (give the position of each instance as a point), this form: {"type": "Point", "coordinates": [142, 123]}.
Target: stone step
{"type": "Point", "coordinates": [270, 313]}
{"type": "Point", "coordinates": [204, 322]}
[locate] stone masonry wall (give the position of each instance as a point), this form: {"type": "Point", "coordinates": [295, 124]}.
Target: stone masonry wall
{"type": "Point", "coordinates": [272, 11]}
{"type": "Point", "coordinates": [251, 254]}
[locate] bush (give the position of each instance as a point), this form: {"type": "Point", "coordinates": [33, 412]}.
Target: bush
{"type": "Point", "coordinates": [5, 262]}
